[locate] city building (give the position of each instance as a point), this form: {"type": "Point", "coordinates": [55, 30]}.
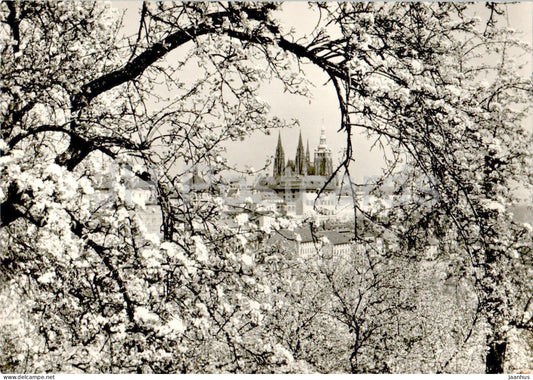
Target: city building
{"type": "Point", "coordinates": [135, 191]}
{"type": "Point", "coordinates": [305, 243]}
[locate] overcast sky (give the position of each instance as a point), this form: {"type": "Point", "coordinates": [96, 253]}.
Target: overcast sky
{"type": "Point", "coordinates": [321, 110]}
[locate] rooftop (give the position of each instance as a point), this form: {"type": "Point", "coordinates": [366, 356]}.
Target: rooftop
{"type": "Point", "coordinates": [335, 237]}
{"type": "Point", "coordinates": [308, 182]}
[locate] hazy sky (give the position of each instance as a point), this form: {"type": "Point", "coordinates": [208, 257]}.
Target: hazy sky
{"type": "Point", "coordinates": [322, 108]}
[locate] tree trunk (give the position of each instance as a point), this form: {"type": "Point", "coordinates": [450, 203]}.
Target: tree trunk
{"type": "Point", "coordinates": [495, 359]}
{"type": "Point", "coordinates": [497, 305]}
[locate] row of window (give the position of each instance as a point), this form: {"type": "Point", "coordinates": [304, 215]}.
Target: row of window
{"type": "Point", "coordinates": [325, 202]}
{"type": "Point", "coordinates": [310, 248]}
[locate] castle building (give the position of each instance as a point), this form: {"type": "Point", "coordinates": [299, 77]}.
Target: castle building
{"type": "Point", "coordinates": [297, 182]}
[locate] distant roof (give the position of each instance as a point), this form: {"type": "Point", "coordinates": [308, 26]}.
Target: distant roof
{"type": "Point", "coordinates": [339, 237]}
{"type": "Point", "coordinates": [137, 183]}
{"type": "Point", "coordinates": [197, 182]}
{"type": "Point", "coordinates": [307, 182]}
{"type": "Point", "coordinates": [131, 182]}
{"type": "Point", "coordinates": [335, 237]}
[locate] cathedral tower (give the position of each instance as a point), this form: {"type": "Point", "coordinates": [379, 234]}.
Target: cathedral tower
{"type": "Point", "coordinates": [300, 167]}
{"type": "Point", "coordinates": [323, 161]}
{"type": "Point", "coordinates": [279, 160]}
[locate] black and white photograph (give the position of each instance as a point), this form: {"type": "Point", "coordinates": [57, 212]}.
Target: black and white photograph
{"type": "Point", "coordinates": [285, 187]}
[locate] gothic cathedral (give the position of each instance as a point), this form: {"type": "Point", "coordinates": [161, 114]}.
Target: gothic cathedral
{"type": "Point", "coordinates": [302, 164]}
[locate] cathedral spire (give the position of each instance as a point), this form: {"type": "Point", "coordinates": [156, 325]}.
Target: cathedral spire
{"type": "Point", "coordinates": [307, 154]}
{"type": "Point", "coordinates": [299, 161]}
{"type": "Point", "coordinates": [279, 159]}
